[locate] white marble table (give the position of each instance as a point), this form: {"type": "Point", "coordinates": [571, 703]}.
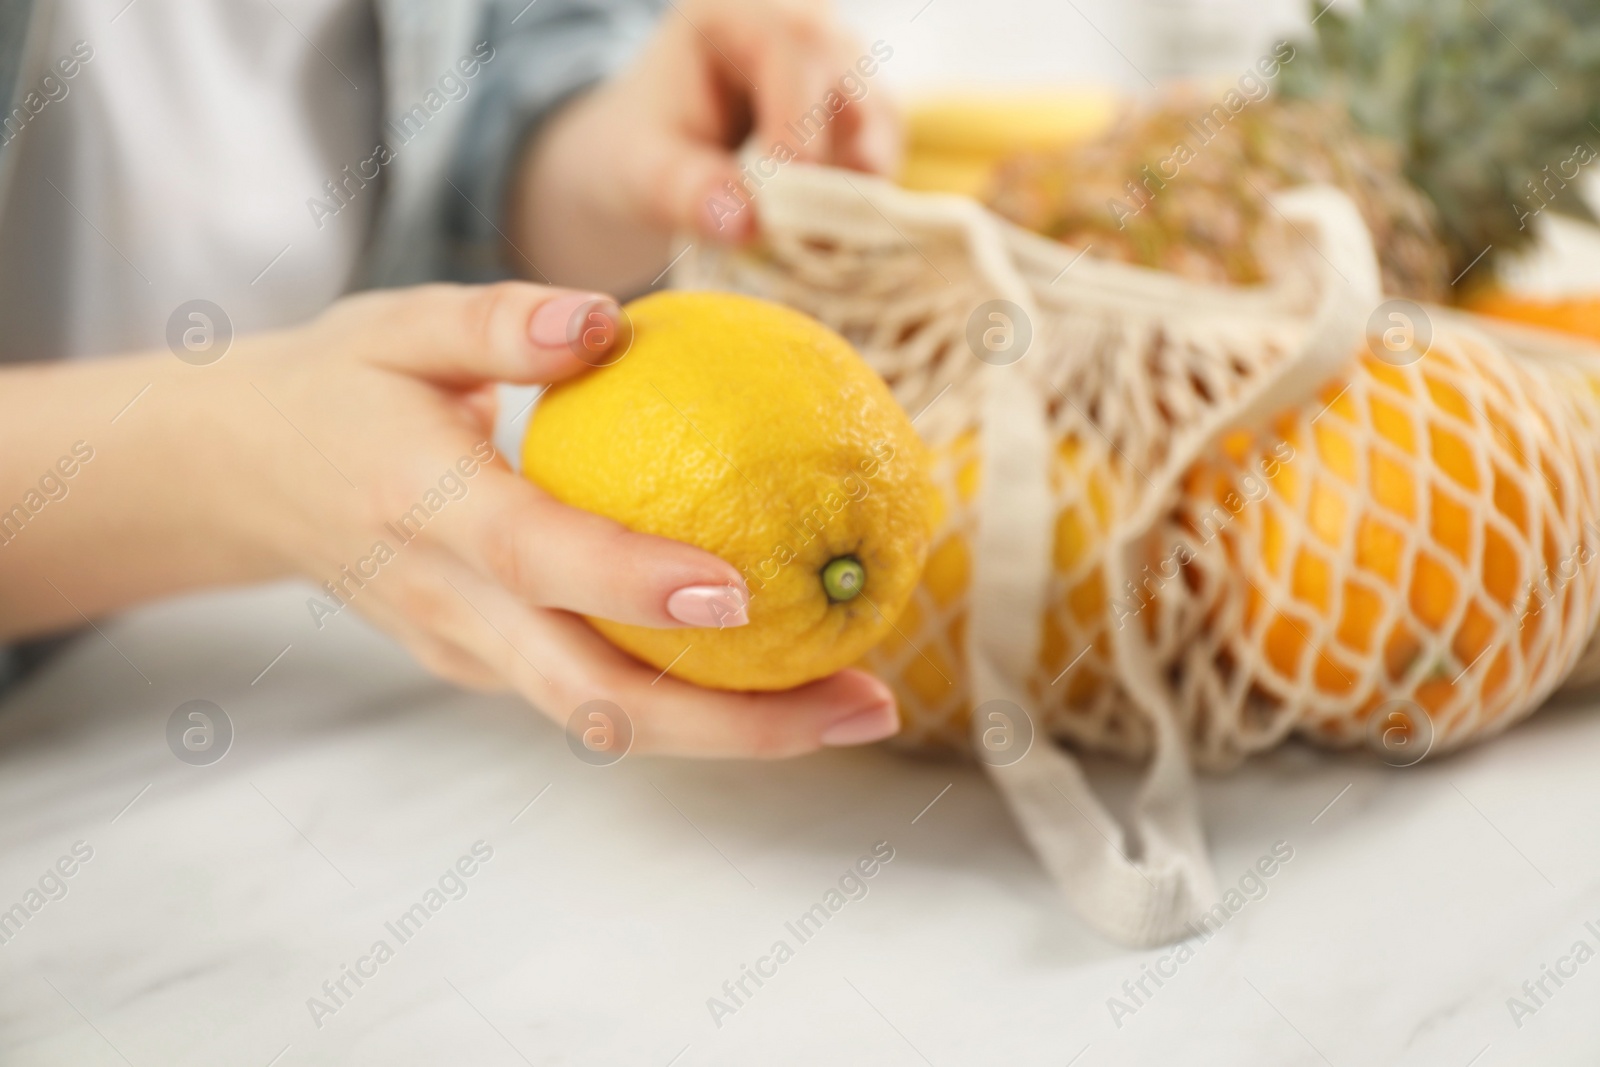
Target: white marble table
{"type": "Point", "coordinates": [219, 898]}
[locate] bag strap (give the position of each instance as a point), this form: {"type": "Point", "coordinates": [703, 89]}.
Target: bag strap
{"type": "Point", "coordinates": [1137, 900]}
{"type": "Point", "coordinates": [1147, 883]}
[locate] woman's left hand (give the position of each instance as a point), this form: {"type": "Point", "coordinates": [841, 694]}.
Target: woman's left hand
{"type": "Point", "coordinates": [653, 152]}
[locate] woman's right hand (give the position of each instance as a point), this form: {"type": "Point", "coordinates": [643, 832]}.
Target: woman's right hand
{"type": "Point", "coordinates": [354, 450]}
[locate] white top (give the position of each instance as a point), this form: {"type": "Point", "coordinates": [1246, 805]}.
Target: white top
{"type": "Point", "coordinates": [176, 164]}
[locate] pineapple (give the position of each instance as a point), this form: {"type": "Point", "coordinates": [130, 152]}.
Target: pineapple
{"type": "Point", "coordinates": [1451, 124]}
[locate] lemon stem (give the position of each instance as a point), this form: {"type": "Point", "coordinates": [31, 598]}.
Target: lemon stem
{"type": "Point", "coordinates": [843, 578]}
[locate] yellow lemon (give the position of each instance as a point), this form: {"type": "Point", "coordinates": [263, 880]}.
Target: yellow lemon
{"type": "Point", "coordinates": [754, 432]}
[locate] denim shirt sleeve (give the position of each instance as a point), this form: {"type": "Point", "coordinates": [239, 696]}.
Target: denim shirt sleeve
{"type": "Point", "coordinates": [547, 51]}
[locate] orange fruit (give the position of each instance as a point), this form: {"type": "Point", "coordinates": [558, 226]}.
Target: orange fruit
{"type": "Point", "coordinates": [1407, 535]}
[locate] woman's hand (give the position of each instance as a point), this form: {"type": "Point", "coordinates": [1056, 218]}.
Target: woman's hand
{"type": "Point", "coordinates": [651, 153]}
{"type": "Point", "coordinates": [354, 450]}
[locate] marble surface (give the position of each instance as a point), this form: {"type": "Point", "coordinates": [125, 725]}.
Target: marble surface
{"type": "Point", "coordinates": [218, 899]}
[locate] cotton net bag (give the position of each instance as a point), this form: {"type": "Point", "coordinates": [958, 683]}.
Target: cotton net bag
{"type": "Point", "coordinates": [1181, 522]}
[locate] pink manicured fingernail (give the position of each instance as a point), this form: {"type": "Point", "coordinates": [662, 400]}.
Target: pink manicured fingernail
{"type": "Point", "coordinates": [864, 727]}
{"type": "Point", "coordinates": [557, 324]}
{"type": "Point", "coordinates": [879, 148]}
{"type": "Point", "coordinates": [727, 219]}
{"type": "Point", "coordinates": [710, 605]}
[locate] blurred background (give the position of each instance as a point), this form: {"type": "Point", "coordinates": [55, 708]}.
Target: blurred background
{"type": "Point", "coordinates": [1028, 43]}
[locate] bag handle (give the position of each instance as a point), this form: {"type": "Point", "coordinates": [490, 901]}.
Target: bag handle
{"type": "Point", "coordinates": [1145, 884]}
{"type": "Point", "coordinates": [1138, 900]}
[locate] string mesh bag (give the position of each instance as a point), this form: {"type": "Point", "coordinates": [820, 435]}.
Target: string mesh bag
{"type": "Point", "coordinates": [1181, 522]}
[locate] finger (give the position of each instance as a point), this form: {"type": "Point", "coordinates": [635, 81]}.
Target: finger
{"type": "Point", "coordinates": [693, 185]}
{"type": "Point", "coordinates": [877, 145]}
{"type": "Point", "coordinates": [672, 717]}
{"type": "Point", "coordinates": [441, 657]}
{"type": "Point", "coordinates": [556, 556]}
{"type": "Point", "coordinates": [867, 133]}
{"type": "Point", "coordinates": [675, 718]}
{"type": "Point", "coordinates": [559, 662]}
{"type": "Point", "coordinates": [799, 58]}
{"type": "Point", "coordinates": [465, 335]}
{"type": "Point", "coordinates": [455, 665]}
{"type": "Point", "coordinates": [481, 405]}
{"type": "Point", "coordinates": [793, 106]}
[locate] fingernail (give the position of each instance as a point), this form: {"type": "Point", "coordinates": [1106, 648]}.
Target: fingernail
{"type": "Point", "coordinates": [710, 605]}
{"type": "Point", "coordinates": [874, 724]}
{"type": "Point", "coordinates": [561, 322]}
{"type": "Point", "coordinates": [725, 219]}
{"type": "Point", "coordinates": [879, 147]}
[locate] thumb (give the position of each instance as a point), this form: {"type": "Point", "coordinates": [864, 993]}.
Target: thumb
{"type": "Point", "coordinates": [695, 185]}
{"type": "Point", "coordinates": [466, 335]}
